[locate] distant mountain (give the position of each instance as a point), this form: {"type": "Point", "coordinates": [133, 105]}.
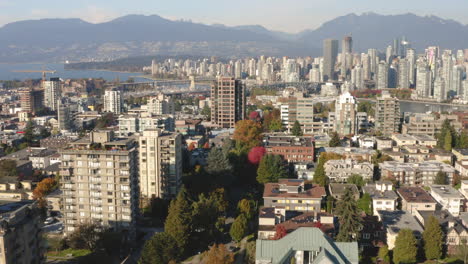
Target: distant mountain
{"type": "Point", "coordinates": [371, 30]}
{"type": "Point", "coordinates": [52, 40]}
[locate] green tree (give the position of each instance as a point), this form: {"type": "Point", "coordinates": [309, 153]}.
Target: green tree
{"type": "Point", "coordinates": [29, 132]}
{"type": "Point", "coordinates": [179, 220]}
{"type": "Point", "coordinates": [86, 236]}
{"type": "Point", "coordinates": [448, 141]}
{"type": "Point", "coordinates": [271, 169]}
{"type": "Point", "coordinates": [219, 167]}
{"type": "Point", "coordinates": [160, 249]}
{"type": "Point", "coordinates": [296, 129]}
{"type": "Point", "coordinates": [405, 250]}
{"type": "Point", "coordinates": [208, 216]}
{"type": "Point", "coordinates": [8, 168]}
{"type": "Point", "coordinates": [44, 133]}
{"type": "Point", "coordinates": [276, 125]}
{"type": "Point", "coordinates": [247, 208]}
{"type": "Point", "coordinates": [462, 141]}
{"type": "Point", "coordinates": [239, 228]}
{"type": "Point", "coordinates": [367, 107]}
{"type": "Point", "coordinates": [433, 239]}
{"type": "Point", "coordinates": [335, 140]}
{"type": "Point", "coordinates": [384, 254]}
{"type": "Point", "coordinates": [349, 217]}
{"type": "Point", "coordinates": [206, 111]}
{"type": "Point", "coordinates": [365, 203]}
{"type": "Point", "coordinates": [330, 204]}
{"type": "Point", "coordinates": [250, 252]}
{"type": "Point", "coordinates": [441, 178]}
{"type": "Point", "coordinates": [356, 179]}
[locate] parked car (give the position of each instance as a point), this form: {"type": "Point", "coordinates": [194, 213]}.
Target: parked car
{"type": "Point", "coordinates": [49, 220]}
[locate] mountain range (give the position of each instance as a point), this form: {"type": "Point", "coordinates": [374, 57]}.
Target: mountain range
{"type": "Point", "coordinates": [57, 40]}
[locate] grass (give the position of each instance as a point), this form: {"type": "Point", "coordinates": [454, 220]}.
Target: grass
{"type": "Point", "coordinates": [73, 252]}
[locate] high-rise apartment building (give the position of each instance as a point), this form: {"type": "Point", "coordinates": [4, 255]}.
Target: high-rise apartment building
{"type": "Point", "coordinates": [228, 102]}
{"type": "Point", "coordinates": [346, 114]}
{"type": "Point", "coordinates": [330, 52]}
{"type": "Point", "coordinates": [20, 233]}
{"type": "Point", "coordinates": [357, 77]}
{"type": "Point", "coordinates": [113, 102]}
{"type": "Point", "coordinates": [347, 46]}
{"type": "Point", "coordinates": [423, 82]}
{"type": "Point", "coordinates": [160, 105]}
{"type": "Point", "coordinates": [160, 164]}
{"type": "Point", "coordinates": [382, 76]}
{"type": "Point", "coordinates": [51, 93]}
{"type": "Point", "coordinates": [387, 114]}
{"type": "Point", "coordinates": [99, 182]}
{"type": "Point", "coordinates": [31, 100]}
{"type": "Point", "coordinates": [440, 94]}
{"type": "Point", "coordinates": [403, 74]}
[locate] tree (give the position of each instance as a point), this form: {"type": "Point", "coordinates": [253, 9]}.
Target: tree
{"type": "Point", "coordinates": [384, 254]}
{"type": "Point", "coordinates": [218, 254]}
{"type": "Point", "coordinates": [29, 132]}
{"type": "Point", "coordinates": [256, 154]}
{"type": "Point", "coordinates": [86, 236]}
{"type": "Point", "coordinates": [462, 141]}
{"type": "Point", "coordinates": [448, 141]}
{"type": "Point", "coordinates": [330, 204]}
{"type": "Point", "coordinates": [272, 120]}
{"type": "Point", "coordinates": [219, 167]}
{"type": "Point", "coordinates": [254, 115]}
{"type": "Point", "coordinates": [271, 169]}
{"type": "Point", "coordinates": [250, 252]}
{"type": "Point", "coordinates": [239, 228]}
{"type": "Point", "coordinates": [247, 134]}
{"type": "Point", "coordinates": [160, 249]}
{"type": "Point", "coordinates": [349, 217]}
{"type": "Point", "coordinates": [441, 178]}
{"type": "Point", "coordinates": [356, 179]}
{"type": "Point", "coordinates": [433, 239]}
{"type": "Point", "coordinates": [8, 168]}
{"type": "Point", "coordinates": [365, 203]}
{"type": "Point", "coordinates": [276, 125]}
{"type": "Point", "coordinates": [462, 251]}
{"type": "Point", "coordinates": [206, 111]}
{"type": "Point", "coordinates": [179, 220]}
{"type": "Point", "coordinates": [247, 208]}
{"type": "Point", "coordinates": [367, 107]}
{"type": "Point", "coordinates": [44, 133]}
{"type": "Point", "coordinates": [335, 140]}
{"type": "Point", "coordinates": [43, 188]}
{"type": "Point", "coordinates": [296, 129]}
{"type": "Point", "coordinates": [280, 232]}
{"type": "Point", "coordinates": [208, 216]}
{"type": "Point", "coordinates": [405, 250]}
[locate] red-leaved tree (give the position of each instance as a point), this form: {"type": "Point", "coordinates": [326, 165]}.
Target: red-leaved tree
{"type": "Point", "coordinates": [256, 154]}
{"type": "Point", "coordinates": [280, 232]}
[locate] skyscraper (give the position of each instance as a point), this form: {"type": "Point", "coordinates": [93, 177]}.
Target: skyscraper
{"type": "Point", "coordinates": [382, 76]}
{"type": "Point", "coordinates": [51, 93]}
{"type": "Point", "coordinates": [423, 82]}
{"type": "Point", "coordinates": [113, 102]}
{"type": "Point", "coordinates": [357, 77]}
{"type": "Point", "coordinates": [31, 100]}
{"type": "Point", "coordinates": [160, 164]}
{"type": "Point", "coordinates": [347, 46]}
{"type": "Point", "coordinates": [99, 182]}
{"type": "Point", "coordinates": [403, 74]}
{"type": "Point", "coordinates": [387, 114]}
{"type": "Point", "coordinates": [411, 58]}
{"type": "Point", "coordinates": [330, 52]}
{"type": "Point", "coordinates": [228, 99]}
{"type": "Point", "coordinates": [440, 94]}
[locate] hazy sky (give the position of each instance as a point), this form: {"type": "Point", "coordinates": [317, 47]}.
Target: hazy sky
{"type": "Point", "coordinates": [284, 15]}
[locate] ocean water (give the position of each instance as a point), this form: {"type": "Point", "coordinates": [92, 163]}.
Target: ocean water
{"type": "Point", "coordinates": [7, 74]}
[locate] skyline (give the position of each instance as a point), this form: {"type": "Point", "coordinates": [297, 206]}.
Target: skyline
{"type": "Point", "coordinates": [300, 14]}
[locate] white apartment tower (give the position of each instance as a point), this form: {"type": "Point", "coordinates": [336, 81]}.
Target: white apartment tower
{"type": "Point", "coordinates": [51, 93]}
{"type": "Point", "coordinates": [161, 105]}
{"type": "Point", "coordinates": [160, 164]}
{"type": "Point", "coordinates": [113, 102]}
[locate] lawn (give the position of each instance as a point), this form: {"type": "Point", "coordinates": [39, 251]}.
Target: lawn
{"type": "Point", "coordinates": [66, 252]}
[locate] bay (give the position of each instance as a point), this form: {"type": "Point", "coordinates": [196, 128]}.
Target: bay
{"type": "Point", "coordinates": [7, 72]}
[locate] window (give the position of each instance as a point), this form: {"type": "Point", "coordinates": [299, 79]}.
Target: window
{"type": "Point", "coordinates": [366, 236]}
{"type": "Point", "coordinates": [109, 200]}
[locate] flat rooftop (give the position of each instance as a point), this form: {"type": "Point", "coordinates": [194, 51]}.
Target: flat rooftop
{"type": "Point", "coordinates": [394, 221]}
{"type": "Point", "coordinates": [415, 195]}
{"type": "Point", "coordinates": [446, 191]}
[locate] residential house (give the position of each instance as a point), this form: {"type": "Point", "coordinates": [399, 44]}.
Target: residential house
{"type": "Point", "coordinates": [394, 221]}
{"type": "Point", "coordinates": [384, 198]}
{"type": "Point", "coordinates": [337, 190]}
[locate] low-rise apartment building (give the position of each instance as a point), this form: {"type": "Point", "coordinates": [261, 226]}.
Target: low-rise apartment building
{"type": "Point", "coordinates": [341, 170]}
{"type": "Point", "coordinates": [394, 221]}
{"type": "Point", "coordinates": [449, 198]}
{"type": "Point", "coordinates": [293, 149]}
{"type": "Point", "coordinates": [416, 199]}
{"type": "Point", "coordinates": [422, 173]}
{"type": "Point", "coordinates": [294, 195]}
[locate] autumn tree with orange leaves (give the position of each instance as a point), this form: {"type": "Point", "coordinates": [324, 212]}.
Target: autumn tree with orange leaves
{"type": "Point", "coordinates": [248, 134]}
{"type": "Point", "coordinates": [42, 189]}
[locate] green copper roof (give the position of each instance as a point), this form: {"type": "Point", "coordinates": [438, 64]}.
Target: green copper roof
{"type": "Point", "coordinates": [307, 239]}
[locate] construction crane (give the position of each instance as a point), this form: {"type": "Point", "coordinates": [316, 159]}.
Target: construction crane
{"type": "Point", "coordinates": [43, 71]}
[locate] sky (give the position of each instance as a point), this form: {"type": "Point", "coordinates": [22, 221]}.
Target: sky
{"type": "Point", "coordinates": [283, 15]}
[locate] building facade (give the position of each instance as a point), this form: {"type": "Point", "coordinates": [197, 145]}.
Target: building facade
{"type": "Point", "coordinates": [160, 158]}
{"type": "Point", "coordinates": [228, 95]}
{"type": "Point", "coordinates": [113, 102]}
{"type": "Point", "coordinates": [387, 114]}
